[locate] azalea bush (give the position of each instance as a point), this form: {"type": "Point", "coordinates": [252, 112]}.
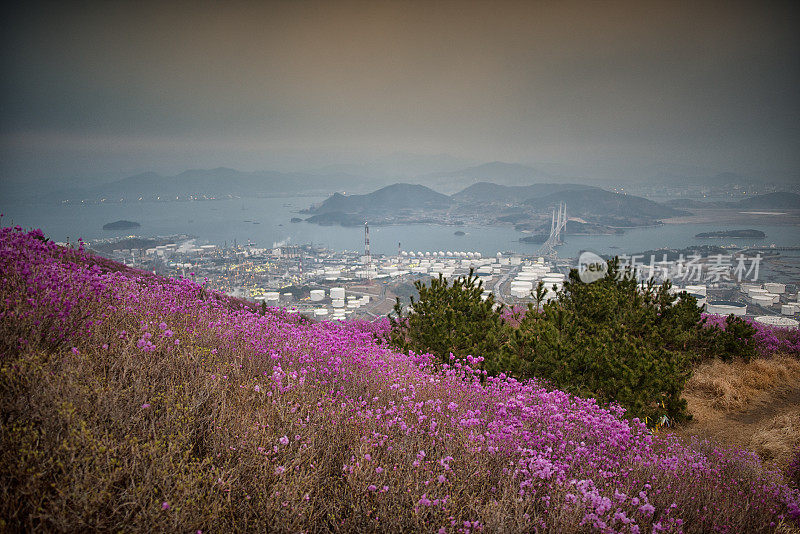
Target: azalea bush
{"type": "Point", "coordinates": [767, 339]}
{"type": "Point", "coordinates": [793, 470]}
{"type": "Point", "coordinates": [133, 402]}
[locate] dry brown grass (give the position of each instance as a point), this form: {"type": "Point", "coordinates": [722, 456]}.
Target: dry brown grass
{"type": "Point", "coordinates": [777, 438]}
{"type": "Point", "coordinates": [728, 387]}
{"type": "Point", "coordinates": [753, 405]}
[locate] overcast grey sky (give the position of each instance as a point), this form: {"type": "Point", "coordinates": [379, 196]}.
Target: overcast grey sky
{"type": "Point", "coordinates": [619, 87]}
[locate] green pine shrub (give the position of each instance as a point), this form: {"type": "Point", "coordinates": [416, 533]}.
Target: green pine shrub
{"type": "Point", "coordinates": [451, 318]}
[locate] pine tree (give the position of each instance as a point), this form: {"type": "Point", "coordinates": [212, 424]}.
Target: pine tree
{"type": "Point", "coordinates": [451, 318]}
{"type": "Point", "coordinates": [615, 340]}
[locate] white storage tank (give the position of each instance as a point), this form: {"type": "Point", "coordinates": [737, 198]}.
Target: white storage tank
{"type": "Point", "coordinates": [726, 307]}
{"type": "Point", "coordinates": [337, 292]}
{"type": "Point", "coordinates": [789, 309]}
{"type": "Point", "coordinates": [272, 296]}
{"type": "Point", "coordinates": [753, 291]}
{"type": "Point", "coordinates": [696, 290]}
{"type": "Point", "coordinates": [777, 320]}
{"type": "Point", "coordinates": [762, 300]}
{"type": "Point", "coordinates": [522, 286]}
{"type": "Point", "coordinates": [519, 292]}
{"type": "Point", "coordinates": [320, 312]}
{"type": "Point", "coordinates": [338, 303]}
{"type": "Point", "coordinates": [317, 294]}
{"type": "Point", "coordinates": [774, 287]}
{"type": "Point", "coordinates": [775, 297]}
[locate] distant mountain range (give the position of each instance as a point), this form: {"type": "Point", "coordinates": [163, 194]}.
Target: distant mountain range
{"type": "Point", "coordinates": [212, 183]}
{"type": "Point", "coordinates": [488, 203]}
{"type": "Point", "coordinates": [222, 181]}
{"type": "Point", "coordinates": [496, 181]}
{"type": "Point", "coordinates": [528, 208]}
{"type": "Point", "coordinates": [497, 172]}
{"type": "Point", "coordinates": [484, 192]}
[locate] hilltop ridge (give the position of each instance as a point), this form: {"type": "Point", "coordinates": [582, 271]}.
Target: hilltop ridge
{"type": "Point", "coordinates": [174, 407]}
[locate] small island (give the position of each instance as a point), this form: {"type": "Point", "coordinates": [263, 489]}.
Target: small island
{"type": "Point", "coordinates": [296, 219]}
{"type": "Point", "coordinates": [121, 225]}
{"type": "Point", "coordinates": [736, 234]}
{"type": "Point", "coordinates": [459, 232]}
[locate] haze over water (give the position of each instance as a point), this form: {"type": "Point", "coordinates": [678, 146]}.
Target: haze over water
{"type": "Point", "coordinates": [224, 220]}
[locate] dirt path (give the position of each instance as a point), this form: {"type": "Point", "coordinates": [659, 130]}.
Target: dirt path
{"type": "Point", "coordinates": [770, 406]}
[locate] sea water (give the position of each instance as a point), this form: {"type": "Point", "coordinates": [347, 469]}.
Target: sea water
{"type": "Point", "coordinates": [266, 222]}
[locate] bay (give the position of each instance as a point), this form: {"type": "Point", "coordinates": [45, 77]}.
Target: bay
{"type": "Point", "coordinates": [266, 222]}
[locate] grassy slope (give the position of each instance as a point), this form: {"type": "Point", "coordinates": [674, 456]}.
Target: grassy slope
{"type": "Point", "coordinates": [262, 423]}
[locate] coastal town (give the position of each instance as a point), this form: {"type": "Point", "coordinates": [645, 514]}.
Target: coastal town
{"type": "Point", "coordinates": [328, 284]}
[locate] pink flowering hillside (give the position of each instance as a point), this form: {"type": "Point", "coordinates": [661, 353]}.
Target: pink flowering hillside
{"type": "Point", "coordinates": [132, 402]}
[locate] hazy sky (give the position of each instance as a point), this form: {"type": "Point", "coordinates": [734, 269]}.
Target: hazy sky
{"type": "Point", "coordinates": [116, 87]}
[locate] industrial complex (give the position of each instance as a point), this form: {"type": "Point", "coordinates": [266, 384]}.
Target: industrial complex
{"type": "Point", "coordinates": [339, 285]}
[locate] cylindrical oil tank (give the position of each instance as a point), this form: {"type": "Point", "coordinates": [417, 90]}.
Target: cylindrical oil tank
{"type": "Point", "coordinates": [774, 287]}
{"type": "Point", "coordinates": [762, 300]}
{"type": "Point", "coordinates": [697, 290]}
{"type": "Point", "coordinates": [726, 307]}
{"type": "Point", "coordinates": [777, 320]}
{"type": "Point", "coordinates": [337, 292]}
